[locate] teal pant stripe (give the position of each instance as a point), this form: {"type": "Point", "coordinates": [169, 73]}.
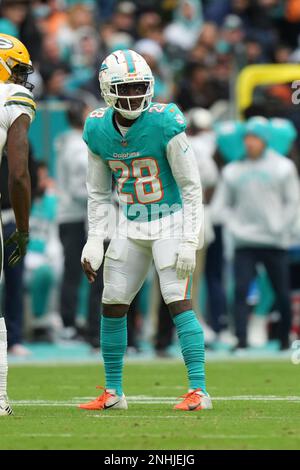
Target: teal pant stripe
{"type": "Point", "coordinates": [113, 346]}
{"type": "Point", "coordinates": [189, 290]}
{"type": "Point", "coordinates": [191, 340]}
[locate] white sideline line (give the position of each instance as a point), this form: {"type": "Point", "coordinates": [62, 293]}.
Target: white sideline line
{"type": "Point", "coordinates": [179, 416]}
{"type": "Point", "coordinates": [46, 435]}
{"type": "Point", "coordinates": [146, 400]}
{"type": "Point", "coordinates": [271, 356]}
{"type": "Point", "coordinates": [203, 436]}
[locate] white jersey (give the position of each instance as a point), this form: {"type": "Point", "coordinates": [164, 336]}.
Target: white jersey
{"type": "Point", "coordinates": [14, 101]}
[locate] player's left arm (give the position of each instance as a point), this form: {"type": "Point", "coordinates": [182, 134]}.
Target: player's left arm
{"type": "Point", "coordinates": [99, 188]}
{"type": "Point", "coordinates": [183, 164]}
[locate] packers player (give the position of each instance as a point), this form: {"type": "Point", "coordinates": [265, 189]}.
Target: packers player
{"type": "Point", "coordinates": [143, 146]}
{"type": "Point", "coordinates": [17, 111]}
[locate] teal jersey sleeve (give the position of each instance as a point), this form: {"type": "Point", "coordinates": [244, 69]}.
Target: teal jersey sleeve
{"type": "Point", "coordinates": [93, 130]}
{"type": "Point", "coordinates": [174, 122]}
{"type": "Point", "coordinates": [88, 134]}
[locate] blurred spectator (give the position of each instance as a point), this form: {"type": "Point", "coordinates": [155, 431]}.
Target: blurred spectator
{"type": "Point", "coordinates": [13, 14]}
{"type": "Point", "coordinates": [83, 58]}
{"type": "Point", "coordinates": [184, 31]}
{"type": "Point", "coordinates": [197, 89]}
{"type": "Point", "coordinates": [123, 19]}
{"type": "Point", "coordinates": [253, 52]}
{"type": "Point", "coordinates": [72, 214]}
{"type": "Point", "coordinates": [233, 31]}
{"type": "Point", "coordinates": [282, 54]}
{"type": "Point", "coordinates": [71, 180]}
{"type": "Point", "coordinates": [149, 25]}
{"type": "Point", "coordinates": [209, 262]}
{"type": "Point", "coordinates": [209, 36]}
{"type": "Point", "coordinates": [41, 261]}
{"type": "Point", "coordinates": [258, 199]}
{"type": "Point", "coordinates": [49, 15]}
{"type": "Point", "coordinates": [54, 83]}
{"type": "Point", "coordinates": [16, 19]}
{"type": "Point", "coordinates": [69, 34]}
{"type": "Point", "coordinates": [51, 50]}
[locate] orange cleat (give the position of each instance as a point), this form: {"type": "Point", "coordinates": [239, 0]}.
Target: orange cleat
{"type": "Point", "coordinates": [108, 400]}
{"type": "Point", "coordinates": [194, 400]}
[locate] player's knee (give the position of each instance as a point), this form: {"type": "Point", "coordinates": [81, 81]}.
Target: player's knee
{"type": "Point", "coordinates": [114, 294]}
{"type": "Point", "coordinates": [173, 291]}
{"type": "Point", "coordinates": [114, 310]}
{"type": "Point", "coordinates": [179, 306]}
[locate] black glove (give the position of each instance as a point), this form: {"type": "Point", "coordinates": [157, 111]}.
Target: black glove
{"type": "Point", "coordinates": [21, 240]}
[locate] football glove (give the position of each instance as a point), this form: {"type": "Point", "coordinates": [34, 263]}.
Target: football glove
{"type": "Point", "coordinates": [186, 260]}
{"type": "Point", "coordinates": [20, 239]}
{"type": "Point", "coordinates": [93, 252]}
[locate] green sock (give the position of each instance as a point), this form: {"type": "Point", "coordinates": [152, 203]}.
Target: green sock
{"type": "Point", "coordinates": [191, 340]}
{"type": "Point", "coordinates": [113, 345]}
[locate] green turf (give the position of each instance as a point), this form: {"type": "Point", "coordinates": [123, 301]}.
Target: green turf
{"type": "Point", "coordinates": [230, 425]}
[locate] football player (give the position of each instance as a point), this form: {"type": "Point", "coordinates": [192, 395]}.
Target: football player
{"type": "Point", "coordinates": [17, 111]}
{"type": "Point", "coordinates": [143, 146]}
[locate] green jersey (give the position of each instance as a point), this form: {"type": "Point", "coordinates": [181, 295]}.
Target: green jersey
{"type": "Point", "coordinates": [138, 161]}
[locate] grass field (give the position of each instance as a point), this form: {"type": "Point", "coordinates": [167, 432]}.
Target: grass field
{"type": "Point", "coordinates": [256, 406]}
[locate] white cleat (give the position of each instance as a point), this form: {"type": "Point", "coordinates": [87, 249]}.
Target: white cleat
{"type": "Point", "coordinates": [108, 400]}
{"type": "Point", "coordinates": [227, 338]}
{"type": "Point", "coordinates": [5, 409]}
{"type": "Point", "coordinates": [194, 400]}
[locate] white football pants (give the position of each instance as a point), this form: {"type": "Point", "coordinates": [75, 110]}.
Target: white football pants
{"type": "Point", "coordinates": [126, 265]}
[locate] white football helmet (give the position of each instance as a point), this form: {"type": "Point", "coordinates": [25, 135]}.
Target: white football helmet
{"type": "Point", "coordinates": [125, 66]}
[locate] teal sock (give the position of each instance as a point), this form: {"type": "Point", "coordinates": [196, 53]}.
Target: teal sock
{"type": "Point", "coordinates": [113, 345]}
{"type": "Point", "coordinates": [191, 340]}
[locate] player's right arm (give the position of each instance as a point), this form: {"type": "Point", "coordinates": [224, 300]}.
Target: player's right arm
{"type": "Point", "coordinates": [99, 187]}
{"type": "Point", "coordinates": [18, 112]}
{"type": "Point", "coordinates": [19, 178]}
